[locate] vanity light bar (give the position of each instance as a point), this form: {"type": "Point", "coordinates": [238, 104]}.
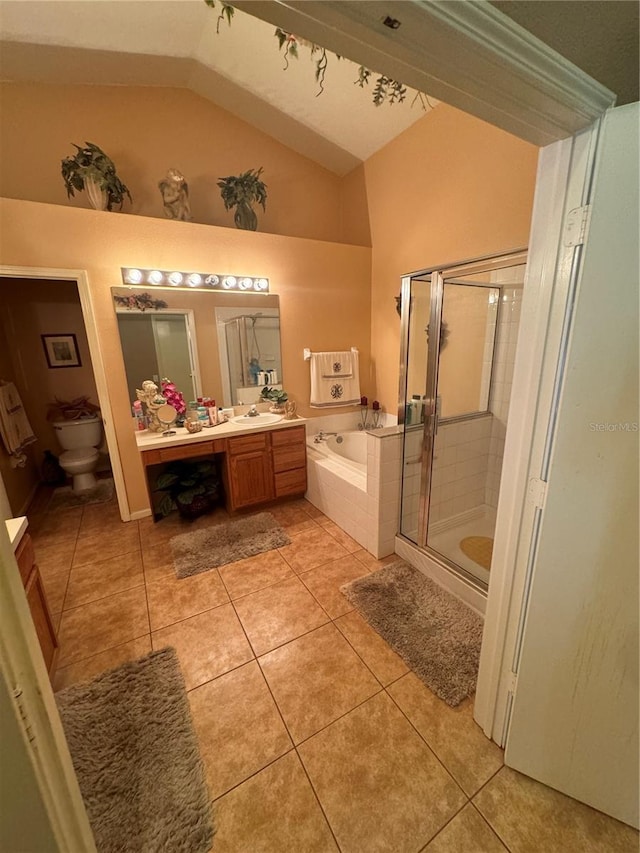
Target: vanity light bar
{"type": "Point", "coordinates": [206, 281]}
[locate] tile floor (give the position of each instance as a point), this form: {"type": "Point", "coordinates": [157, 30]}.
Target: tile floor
{"type": "Point", "coordinates": [314, 735]}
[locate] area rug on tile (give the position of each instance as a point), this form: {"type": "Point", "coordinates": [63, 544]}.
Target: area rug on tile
{"type": "Point", "coordinates": [226, 543]}
{"type": "Point", "coordinates": [436, 635]}
{"type": "Point", "coordinates": [479, 549]}
{"type": "Point", "coordinates": [65, 497]}
{"type": "Point", "coordinates": [137, 759]}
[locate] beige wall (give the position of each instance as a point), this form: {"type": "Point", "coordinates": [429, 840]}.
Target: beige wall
{"type": "Point", "coordinates": [449, 188]}
{"type": "Point", "coordinates": [147, 130]}
{"type": "Point", "coordinates": [31, 309]}
{"type": "Point", "coordinates": [324, 288]}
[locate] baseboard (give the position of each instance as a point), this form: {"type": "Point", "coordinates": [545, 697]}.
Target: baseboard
{"type": "Point", "coordinates": [140, 514]}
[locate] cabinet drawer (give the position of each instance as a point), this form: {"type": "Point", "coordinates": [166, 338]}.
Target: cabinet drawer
{"type": "Point", "coordinates": [285, 458]}
{"type": "Point", "coordinates": [291, 482]}
{"type": "Point", "coordinates": [186, 451]}
{"type": "Point", "coordinates": [247, 443]}
{"type": "Point", "coordinates": [25, 557]}
{"type": "Point", "coordinates": [293, 435]}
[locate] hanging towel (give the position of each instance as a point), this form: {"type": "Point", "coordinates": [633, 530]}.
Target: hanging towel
{"type": "Point", "coordinates": [15, 429]}
{"type": "Point", "coordinates": [335, 379]}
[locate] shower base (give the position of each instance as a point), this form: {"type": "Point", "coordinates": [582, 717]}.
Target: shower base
{"type": "Point", "coordinates": [445, 537]}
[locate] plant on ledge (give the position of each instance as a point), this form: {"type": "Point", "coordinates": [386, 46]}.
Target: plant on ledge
{"type": "Point", "coordinates": [93, 171]}
{"type": "Point", "coordinates": [241, 191]}
{"type": "Point", "coordinates": [275, 396]}
{"type": "Point", "coordinates": [193, 488]}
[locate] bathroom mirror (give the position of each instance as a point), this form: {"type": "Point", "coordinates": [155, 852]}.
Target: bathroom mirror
{"type": "Point", "coordinates": [209, 344]}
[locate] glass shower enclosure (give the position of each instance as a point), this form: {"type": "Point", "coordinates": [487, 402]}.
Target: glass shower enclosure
{"type": "Point", "coordinates": [459, 333]}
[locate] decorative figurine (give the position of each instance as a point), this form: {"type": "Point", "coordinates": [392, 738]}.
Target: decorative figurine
{"type": "Point", "coordinates": [175, 196]}
{"type": "Point", "coordinates": [290, 409]}
{"type": "Point", "coordinates": [152, 399]}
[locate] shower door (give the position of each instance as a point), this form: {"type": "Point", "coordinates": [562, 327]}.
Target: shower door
{"type": "Point", "coordinates": [459, 332]}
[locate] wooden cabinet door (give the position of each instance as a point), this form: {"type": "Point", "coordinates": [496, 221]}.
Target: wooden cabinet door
{"type": "Point", "coordinates": [250, 478]}
{"type": "Point", "coordinates": [42, 619]}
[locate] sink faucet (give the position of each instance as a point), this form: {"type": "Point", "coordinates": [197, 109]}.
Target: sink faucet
{"type": "Point", "coordinates": [252, 413]}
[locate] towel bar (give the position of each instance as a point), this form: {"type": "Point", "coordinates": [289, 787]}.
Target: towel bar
{"type": "Point", "coordinates": [306, 352]}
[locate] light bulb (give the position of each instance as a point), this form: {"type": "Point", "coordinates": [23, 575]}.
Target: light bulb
{"type": "Point", "coordinates": [194, 280]}
{"type": "Point", "coordinates": [212, 280]}
{"type": "Point", "coordinates": [262, 284]}
{"type": "Point", "coordinates": [229, 281]}
{"type": "Point", "coordinates": [175, 278]}
{"type": "Point", "coordinates": [245, 284]}
{"type": "Point", "coordinates": [155, 277]}
{"type": "Point", "coordinates": [134, 276]}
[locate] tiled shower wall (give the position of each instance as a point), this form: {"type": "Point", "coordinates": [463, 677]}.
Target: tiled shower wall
{"type": "Point", "coordinates": [503, 362]}
{"type": "Point", "coordinates": [460, 468]}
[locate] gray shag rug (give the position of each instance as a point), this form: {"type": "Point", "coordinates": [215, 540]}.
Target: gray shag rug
{"type": "Point", "coordinates": [137, 759]}
{"type": "Point", "coordinates": [65, 497]}
{"type": "Point", "coordinates": [215, 546]}
{"type": "Point", "coordinates": [435, 634]}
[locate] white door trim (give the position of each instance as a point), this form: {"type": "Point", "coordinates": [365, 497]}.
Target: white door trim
{"type": "Point", "coordinates": [23, 669]}
{"type": "Point", "coordinates": [84, 291]}
{"type": "Point", "coordinates": [562, 182]}
{"type": "Point", "coordinates": [468, 54]}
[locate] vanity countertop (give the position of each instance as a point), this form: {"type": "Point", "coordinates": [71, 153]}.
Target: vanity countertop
{"type": "Point", "coordinates": [147, 440]}
{"type": "Point", "coordinates": [16, 528]}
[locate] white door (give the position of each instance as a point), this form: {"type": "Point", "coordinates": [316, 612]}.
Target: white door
{"type": "Point", "coordinates": [574, 723]}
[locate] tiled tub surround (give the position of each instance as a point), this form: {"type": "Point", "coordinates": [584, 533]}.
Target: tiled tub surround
{"type": "Point", "coordinates": [362, 501]}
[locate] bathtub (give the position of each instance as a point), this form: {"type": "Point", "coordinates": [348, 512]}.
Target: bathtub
{"type": "Point", "coordinates": [337, 481]}
{"type": "Point", "coordinates": [356, 483]}
{"type": "Point", "coordinates": [347, 448]}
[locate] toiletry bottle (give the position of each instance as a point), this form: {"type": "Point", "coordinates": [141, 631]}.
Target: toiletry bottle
{"type": "Point", "coordinates": [212, 409]}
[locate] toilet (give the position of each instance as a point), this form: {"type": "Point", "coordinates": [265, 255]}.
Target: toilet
{"type": "Point", "coordinates": [79, 440]}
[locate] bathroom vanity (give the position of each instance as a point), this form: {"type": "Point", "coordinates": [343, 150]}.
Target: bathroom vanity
{"type": "Point", "coordinates": [32, 582]}
{"type": "Point", "coordinates": [260, 464]}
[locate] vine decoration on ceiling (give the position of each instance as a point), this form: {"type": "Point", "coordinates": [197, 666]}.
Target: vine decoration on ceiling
{"type": "Point", "coordinates": [386, 89]}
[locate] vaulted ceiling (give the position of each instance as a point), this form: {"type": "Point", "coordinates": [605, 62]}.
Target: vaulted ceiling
{"type": "Point", "coordinates": [181, 43]}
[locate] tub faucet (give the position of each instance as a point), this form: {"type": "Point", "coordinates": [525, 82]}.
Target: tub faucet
{"type": "Point", "coordinates": [323, 436]}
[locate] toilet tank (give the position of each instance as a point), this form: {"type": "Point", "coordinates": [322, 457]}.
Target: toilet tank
{"type": "Point", "coordinates": [85, 432]}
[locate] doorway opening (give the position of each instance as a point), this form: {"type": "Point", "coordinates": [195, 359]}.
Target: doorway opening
{"type": "Point", "coordinates": [459, 336]}
{"type": "Point", "coordinates": [77, 309]}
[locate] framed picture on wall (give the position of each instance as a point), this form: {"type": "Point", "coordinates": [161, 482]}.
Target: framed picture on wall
{"type": "Point", "coordinates": [61, 350]}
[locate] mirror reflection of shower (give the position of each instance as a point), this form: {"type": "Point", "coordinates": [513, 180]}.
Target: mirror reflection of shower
{"type": "Point", "coordinates": [249, 353]}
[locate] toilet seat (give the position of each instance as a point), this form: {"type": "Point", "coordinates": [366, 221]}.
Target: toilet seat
{"type": "Point", "coordinates": [79, 456]}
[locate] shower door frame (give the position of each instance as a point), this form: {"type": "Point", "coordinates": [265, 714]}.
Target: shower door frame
{"type": "Point", "coordinates": [437, 277]}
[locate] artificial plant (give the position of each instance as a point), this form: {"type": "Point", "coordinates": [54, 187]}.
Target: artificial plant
{"type": "Point", "coordinates": [241, 192]}
{"type": "Point", "coordinates": [91, 165]}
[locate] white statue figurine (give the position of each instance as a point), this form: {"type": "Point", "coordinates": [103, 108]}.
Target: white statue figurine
{"type": "Point", "coordinates": [152, 399]}
{"type": "Point", "coordinates": [175, 196]}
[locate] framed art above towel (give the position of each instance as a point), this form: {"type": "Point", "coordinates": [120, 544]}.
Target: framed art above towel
{"type": "Point", "coordinates": [61, 350]}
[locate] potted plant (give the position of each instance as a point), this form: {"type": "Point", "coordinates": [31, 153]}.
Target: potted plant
{"type": "Point", "coordinates": [71, 410]}
{"type": "Point", "coordinates": [276, 397]}
{"type": "Point", "coordinates": [193, 488]}
{"type": "Point", "coordinates": [241, 192]}
{"type": "Point", "coordinates": [93, 171]}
